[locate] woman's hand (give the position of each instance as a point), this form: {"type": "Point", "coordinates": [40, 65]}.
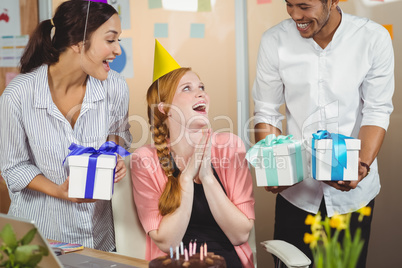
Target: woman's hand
{"type": "Point", "coordinates": [205, 171]}
{"type": "Point", "coordinates": [63, 194]}
{"type": "Point", "coordinates": [121, 170]}
{"type": "Point", "coordinates": [192, 168]}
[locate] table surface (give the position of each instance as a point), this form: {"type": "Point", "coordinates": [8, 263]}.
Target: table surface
{"type": "Point", "coordinates": [111, 256]}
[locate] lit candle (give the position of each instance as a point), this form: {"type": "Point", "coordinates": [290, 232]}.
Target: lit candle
{"type": "Point", "coordinates": [177, 253]}
{"type": "Point", "coordinates": [194, 246]}
{"type": "Point", "coordinates": [205, 249]}
{"type": "Point", "coordinates": [185, 254]}
{"type": "Point", "coordinates": [181, 248]}
{"type": "Point", "coordinates": [201, 253]}
{"type": "Point", "coordinates": [191, 248]}
{"type": "Point", "coordinates": [171, 252]}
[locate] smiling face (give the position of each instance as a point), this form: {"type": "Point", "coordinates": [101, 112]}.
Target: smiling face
{"type": "Point", "coordinates": [190, 103]}
{"type": "Point", "coordinates": [103, 49]}
{"type": "Point", "coordinates": [312, 17]}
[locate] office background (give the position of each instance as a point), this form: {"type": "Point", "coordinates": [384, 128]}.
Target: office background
{"type": "Point", "coordinates": [220, 42]}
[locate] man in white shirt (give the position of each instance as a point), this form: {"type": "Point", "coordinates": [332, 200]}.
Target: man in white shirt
{"type": "Point", "coordinates": [334, 72]}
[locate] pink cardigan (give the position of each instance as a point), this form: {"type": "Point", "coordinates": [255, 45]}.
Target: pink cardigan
{"type": "Point", "coordinates": [149, 181]}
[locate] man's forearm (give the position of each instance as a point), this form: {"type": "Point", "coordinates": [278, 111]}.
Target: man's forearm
{"type": "Point", "coordinates": [263, 129]}
{"type": "Point", "coordinates": [371, 140]}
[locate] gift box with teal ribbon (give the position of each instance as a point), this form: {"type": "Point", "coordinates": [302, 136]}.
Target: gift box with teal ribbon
{"type": "Point", "coordinates": [335, 157]}
{"type": "Point", "coordinates": [92, 171]}
{"type": "Point", "coordinates": [278, 161]}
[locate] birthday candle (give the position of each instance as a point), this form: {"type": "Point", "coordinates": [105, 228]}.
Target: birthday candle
{"type": "Point", "coordinates": [201, 253]}
{"type": "Point", "coordinates": [181, 248]}
{"type": "Point", "coordinates": [191, 248]}
{"type": "Point", "coordinates": [205, 249]}
{"type": "Point", "coordinates": [171, 252]}
{"type": "Point", "coordinates": [194, 246]}
{"type": "Point", "coordinates": [177, 253]}
{"type": "Point", "coordinates": [185, 254]}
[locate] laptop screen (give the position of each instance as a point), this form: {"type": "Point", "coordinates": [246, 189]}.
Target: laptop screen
{"type": "Point", "coordinates": [21, 227]}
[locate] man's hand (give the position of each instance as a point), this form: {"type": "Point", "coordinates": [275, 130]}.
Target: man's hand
{"type": "Point", "coordinates": [346, 186]}
{"type": "Point", "coordinates": [276, 189]}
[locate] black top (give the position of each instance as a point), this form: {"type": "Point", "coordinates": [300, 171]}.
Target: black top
{"type": "Point", "coordinates": [204, 228]}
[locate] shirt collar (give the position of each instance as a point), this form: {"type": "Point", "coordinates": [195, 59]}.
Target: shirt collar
{"type": "Point", "coordinates": [341, 27]}
{"type": "Point", "coordinates": [42, 97]}
{"type": "Point", "coordinates": [338, 32]}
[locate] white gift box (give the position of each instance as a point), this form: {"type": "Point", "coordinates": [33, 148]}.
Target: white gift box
{"type": "Point", "coordinates": [282, 158]}
{"type": "Point", "coordinates": [324, 160]}
{"type": "Point", "coordinates": [104, 176]}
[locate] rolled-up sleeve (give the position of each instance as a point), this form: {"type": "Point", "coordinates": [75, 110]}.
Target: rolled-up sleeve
{"type": "Point", "coordinates": [268, 86]}
{"type": "Point", "coordinates": [15, 165]}
{"type": "Point", "coordinates": [378, 87]}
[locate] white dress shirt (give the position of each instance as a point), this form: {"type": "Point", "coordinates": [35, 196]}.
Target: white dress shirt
{"type": "Point", "coordinates": [341, 88]}
{"type": "Point", "coordinates": [34, 139]}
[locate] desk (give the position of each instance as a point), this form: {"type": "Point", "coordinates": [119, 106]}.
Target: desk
{"type": "Point", "coordinates": [111, 256]}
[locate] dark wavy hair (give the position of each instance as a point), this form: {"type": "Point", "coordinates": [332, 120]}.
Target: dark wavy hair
{"type": "Point", "coordinates": [69, 22]}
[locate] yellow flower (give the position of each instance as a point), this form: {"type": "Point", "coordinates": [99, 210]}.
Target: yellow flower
{"type": "Point", "coordinates": [364, 211]}
{"type": "Point", "coordinates": [310, 239]}
{"type": "Point", "coordinates": [313, 220]}
{"type": "Point", "coordinates": [338, 221]}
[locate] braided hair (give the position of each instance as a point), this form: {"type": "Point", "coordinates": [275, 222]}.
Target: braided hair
{"type": "Point", "coordinates": [163, 90]}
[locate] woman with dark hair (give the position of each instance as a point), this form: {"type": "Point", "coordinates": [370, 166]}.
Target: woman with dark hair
{"type": "Point", "coordinates": [66, 93]}
{"type": "Point", "coordinates": [191, 184]}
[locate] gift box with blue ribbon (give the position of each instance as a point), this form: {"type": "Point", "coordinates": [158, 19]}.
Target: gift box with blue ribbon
{"type": "Point", "coordinates": [92, 171]}
{"type": "Point", "coordinates": [335, 157]}
{"type": "Point", "coordinates": [278, 161]}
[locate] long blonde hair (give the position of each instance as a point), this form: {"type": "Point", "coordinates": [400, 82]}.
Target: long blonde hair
{"type": "Point", "coordinates": [163, 90]}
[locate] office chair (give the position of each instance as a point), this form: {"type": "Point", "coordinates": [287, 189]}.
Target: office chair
{"type": "Point", "coordinates": [129, 234]}
{"type": "Point", "coordinates": [287, 254]}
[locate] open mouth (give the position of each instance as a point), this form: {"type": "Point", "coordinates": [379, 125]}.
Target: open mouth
{"type": "Point", "coordinates": [200, 107]}
{"type": "Point", "coordinates": [303, 26]}
{"type": "Point", "coordinates": [106, 64]}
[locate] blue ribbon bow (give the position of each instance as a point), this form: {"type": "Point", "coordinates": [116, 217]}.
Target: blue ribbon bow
{"type": "Point", "coordinates": [108, 148]}
{"type": "Point", "coordinates": [339, 153]}
{"type": "Point", "coordinates": [271, 171]}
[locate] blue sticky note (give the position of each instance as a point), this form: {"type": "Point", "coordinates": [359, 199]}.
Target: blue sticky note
{"type": "Point", "coordinates": [161, 30]}
{"type": "Point", "coordinates": [197, 30]}
{"type": "Point", "coordinates": [154, 4]}
{"type": "Point", "coordinates": [119, 62]}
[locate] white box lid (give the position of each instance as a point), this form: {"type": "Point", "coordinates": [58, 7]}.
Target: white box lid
{"type": "Point", "coordinates": [326, 144]}
{"type": "Point", "coordinates": [104, 160]}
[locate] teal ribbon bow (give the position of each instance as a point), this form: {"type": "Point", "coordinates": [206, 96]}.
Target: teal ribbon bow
{"type": "Point", "coordinates": [265, 146]}
{"type": "Point", "coordinates": [339, 153]}
{"type": "Point", "coordinates": [108, 148]}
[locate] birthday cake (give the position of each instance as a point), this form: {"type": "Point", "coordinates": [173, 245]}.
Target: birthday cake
{"type": "Point", "coordinates": [195, 261]}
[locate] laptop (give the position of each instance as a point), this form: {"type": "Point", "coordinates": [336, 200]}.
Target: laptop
{"type": "Point", "coordinates": [71, 260]}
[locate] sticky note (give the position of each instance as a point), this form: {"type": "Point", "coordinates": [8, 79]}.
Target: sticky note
{"type": "Point", "coordinates": [161, 30]}
{"type": "Point", "coordinates": [204, 6]}
{"type": "Point", "coordinates": [259, 2]}
{"type": "Point", "coordinates": [197, 30]}
{"type": "Point", "coordinates": [390, 30]}
{"type": "Point", "coordinates": [154, 4]}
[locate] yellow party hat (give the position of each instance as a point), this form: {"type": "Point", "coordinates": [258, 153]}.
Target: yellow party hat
{"type": "Point", "coordinates": [163, 62]}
